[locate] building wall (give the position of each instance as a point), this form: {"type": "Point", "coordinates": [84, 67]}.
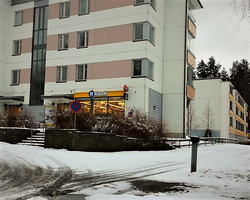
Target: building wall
{"type": "Point", "coordinates": [217, 93]}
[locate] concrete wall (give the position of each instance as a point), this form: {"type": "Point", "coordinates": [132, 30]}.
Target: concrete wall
{"type": "Point", "coordinates": [104, 142]}
{"type": "Point", "coordinates": [14, 135]}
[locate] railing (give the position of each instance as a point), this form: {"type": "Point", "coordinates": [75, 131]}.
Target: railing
{"type": "Point", "coordinates": [203, 141]}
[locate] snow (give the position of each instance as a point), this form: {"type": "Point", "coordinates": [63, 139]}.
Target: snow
{"type": "Point", "coordinates": [222, 171]}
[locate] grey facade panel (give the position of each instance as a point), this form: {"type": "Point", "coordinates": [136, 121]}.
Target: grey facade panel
{"type": "Point", "coordinates": [17, 2]}
{"type": "Point", "coordinates": [38, 112]}
{"type": "Point", "coordinates": [155, 104]}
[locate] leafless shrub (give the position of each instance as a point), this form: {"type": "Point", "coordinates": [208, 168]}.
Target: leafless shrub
{"type": "Point", "coordinates": [85, 121]}
{"type": "Point", "coordinates": [16, 119]}
{"type": "Point", "coordinates": [143, 126]}
{"type": "Point", "coordinates": [63, 119]}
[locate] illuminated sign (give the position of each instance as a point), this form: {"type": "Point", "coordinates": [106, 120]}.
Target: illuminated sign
{"type": "Point", "coordinates": [97, 93]}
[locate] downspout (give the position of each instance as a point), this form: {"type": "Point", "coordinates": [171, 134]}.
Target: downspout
{"type": "Point", "coordinates": [185, 71]}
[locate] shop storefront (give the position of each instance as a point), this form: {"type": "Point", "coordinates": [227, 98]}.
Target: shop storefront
{"type": "Point", "coordinates": [102, 102]}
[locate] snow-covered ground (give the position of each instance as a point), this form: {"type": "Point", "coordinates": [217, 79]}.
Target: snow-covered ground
{"type": "Point", "coordinates": [222, 172]}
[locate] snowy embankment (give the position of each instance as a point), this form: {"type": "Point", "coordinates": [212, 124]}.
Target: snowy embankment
{"type": "Point", "coordinates": [222, 173]}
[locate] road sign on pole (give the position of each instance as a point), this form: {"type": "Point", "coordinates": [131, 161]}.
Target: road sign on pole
{"type": "Point", "coordinates": [75, 106]}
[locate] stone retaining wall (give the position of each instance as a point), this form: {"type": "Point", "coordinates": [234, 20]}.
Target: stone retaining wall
{"type": "Point", "coordinates": [98, 142]}
{"type": "Point", "coordinates": [14, 135]}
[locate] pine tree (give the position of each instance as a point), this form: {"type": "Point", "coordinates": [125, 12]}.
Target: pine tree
{"type": "Point", "coordinates": [224, 75]}
{"type": "Point", "coordinates": [209, 70]}
{"type": "Point", "coordinates": [201, 70]}
{"type": "Point", "coordinates": [240, 78]}
{"type": "Point", "coordinates": [213, 68]}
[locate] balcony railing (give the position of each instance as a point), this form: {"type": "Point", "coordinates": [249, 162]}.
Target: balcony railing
{"type": "Point", "coordinates": [191, 27]}
{"type": "Point", "coordinates": [191, 59]}
{"type": "Point", "coordinates": [190, 92]}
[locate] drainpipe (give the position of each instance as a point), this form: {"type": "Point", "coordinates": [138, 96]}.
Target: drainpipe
{"type": "Point", "coordinates": [185, 71]}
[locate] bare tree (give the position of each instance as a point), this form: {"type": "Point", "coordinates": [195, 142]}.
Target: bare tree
{"type": "Point", "coordinates": [241, 7]}
{"type": "Point", "coordinates": [208, 116]}
{"type": "Point", "coordinates": [191, 119]}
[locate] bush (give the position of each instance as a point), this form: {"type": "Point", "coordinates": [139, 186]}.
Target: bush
{"type": "Point", "coordinates": [16, 119]}
{"type": "Point", "coordinates": [140, 126]}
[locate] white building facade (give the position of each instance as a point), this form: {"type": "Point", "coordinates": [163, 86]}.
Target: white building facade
{"type": "Point", "coordinates": [55, 51]}
{"type": "Point", "coordinates": [229, 111]}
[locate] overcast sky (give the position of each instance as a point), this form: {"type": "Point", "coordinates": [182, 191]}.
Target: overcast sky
{"type": "Point", "coordinates": [221, 34]}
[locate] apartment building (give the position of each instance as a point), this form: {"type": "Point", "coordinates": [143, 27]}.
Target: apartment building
{"type": "Point", "coordinates": [55, 51]}
{"type": "Point", "coordinates": [221, 104]}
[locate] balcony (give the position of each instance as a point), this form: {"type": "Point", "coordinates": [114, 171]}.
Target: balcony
{"type": "Point", "coordinates": [191, 27]}
{"type": "Point", "coordinates": [190, 92]}
{"type": "Point", "coordinates": [191, 60]}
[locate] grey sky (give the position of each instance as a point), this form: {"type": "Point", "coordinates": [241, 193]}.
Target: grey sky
{"type": "Point", "coordinates": [221, 34]}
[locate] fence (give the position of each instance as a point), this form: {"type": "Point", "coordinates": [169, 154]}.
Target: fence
{"type": "Point", "coordinates": [203, 141]}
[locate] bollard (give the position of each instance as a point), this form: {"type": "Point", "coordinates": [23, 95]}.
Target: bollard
{"type": "Point", "coordinates": [195, 141]}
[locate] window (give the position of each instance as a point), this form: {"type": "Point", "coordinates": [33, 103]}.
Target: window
{"type": "Point", "coordinates": [15, 77]}
{"type": "Point", "coordinates": [17, 45]}
{"type": "Point", "coordinates": [190, 75]}
{"type": "Point", "coordinates": [65, 9]}
{"type": "Point", "coordinates": [84, 7]}
{"type": "Point", "coordinates": [144, 31]}
{"type": "Point", "coordinates": [237, 110]}
{"type": "Point", "coordinates": [18, 18]}
{"type": "Point", "coordinates": [62, 73]}
{"type": "Point", "coordinates": [83, 39]}
{"type": "Point", "coordinates": [151, 2]}
{"type": "Point", "coordinates": [231, 105]}
{"type": "Point", "coordinates": [230, 121]}
{"type": "Point", "coordinates": [63, 41]}
{"type": "Point", "coordinates": [81, 72]}
{"type": "Point", "coordinates": [143, 68]}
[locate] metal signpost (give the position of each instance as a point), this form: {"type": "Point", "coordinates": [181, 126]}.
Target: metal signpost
{"type": "Point", "coordinates": [75, 107]}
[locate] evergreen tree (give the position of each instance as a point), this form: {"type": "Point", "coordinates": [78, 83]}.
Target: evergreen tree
{"type": "Point", "coordinates": [209, 70]}
{"type": "Point", "coordinates": [213, 68]}
{"type": "Point", "coordinates": [202, 70]}
{"type": "Point", "coordinates": [224, 75]}
{"type": "Point", "coordinates": [240, 78]}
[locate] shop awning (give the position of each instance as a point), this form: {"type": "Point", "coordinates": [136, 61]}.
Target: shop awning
{"type": "Point", "coordinates": [12, 98]}
{"type": "Point", "coordinates": [58, 96]}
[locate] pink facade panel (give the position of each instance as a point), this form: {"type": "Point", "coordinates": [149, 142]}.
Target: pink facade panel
{"type": "Point", "coordinates": [73, 40]}
{"type": "Point", "coordinates": [28, 15]}
{"type": "Point", "coordinates": [50, 74]}
{"type": "Point", "coordinates": [54, 11]}
{"type": "Point", "coordinates": [25, 76]}
{"type": "Point", "coordinates": [114, 34]}
{"type": "Point", "coordinates": [98, 5]}
{"type": "Point", "coordinates": [74, 7]}
{"type": "Point", "coordinates": [112, 69]}
{"type": "Point", "coordinates": [52, 42]}
{"type": "Point", "coordinates": [26, 45]}
{"type": "Point", "coordinates": [71, 73]}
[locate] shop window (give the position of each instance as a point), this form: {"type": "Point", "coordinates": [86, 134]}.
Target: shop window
{"type": "Point", "coordinates": [18, 18]}
{"type": "Point", "coordinates": [83, 39]}
{"type": "Point", "coordinates": [62, 73]}
{"type": "Point", "coordinates": [151, 2]}
{"type": "Point", "coordinates": [63, 41]}
{"type": "Point", "coordinates": [81, 72]}
{"type": "Point", "coordinates": [143, 68]}
{"type": "Point", "coordinates": [62, 106]}
{"type": "Point", "coordinates": [116, 105]}
{"type": "Point", "coordinates": [65, 9]}
{"type": "Point", "coordinates": [17, 45]}
{"type": "Point", "coordinates": [15, 77]}
{"type": "Point", "coordinates": [83, 7]}
{"type": "Point", "coordinates": [144, 31]}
